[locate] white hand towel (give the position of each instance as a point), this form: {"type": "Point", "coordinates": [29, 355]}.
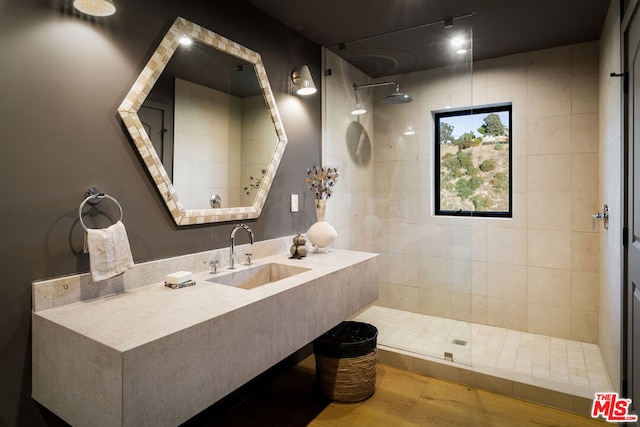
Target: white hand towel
{"type": "Point", "coordinates": [109, 251]}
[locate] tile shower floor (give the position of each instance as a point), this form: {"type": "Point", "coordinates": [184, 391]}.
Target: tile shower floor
{"type": "Point", "coordinates": [566, 366]}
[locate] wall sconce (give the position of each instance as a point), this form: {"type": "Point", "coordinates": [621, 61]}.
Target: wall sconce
{"type": "Point", "coordinates": [302, 79]}
{"type": "Point", "coordinates": [95, 7]}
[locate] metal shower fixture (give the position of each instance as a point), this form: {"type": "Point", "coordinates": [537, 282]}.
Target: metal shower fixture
{"type": "Point", "coordinates": [395, 98]}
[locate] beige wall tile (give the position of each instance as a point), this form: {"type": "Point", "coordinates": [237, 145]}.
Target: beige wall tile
{"type": "Point", "coordinates": [520, 174]}
{"type": "Point", "coordinates": [550, 249]}
{"type": "Point", "coordinates": [424, 207]}
{"type": "Point", "coordinates": [435, 302]}
{"type": "Point", "coordinates": [434, 272]}
{"type": "Point", "coordinates": [584, 290]}
{"type": "Point", "coordinates": [584, 172]}
{"type": "Point", "coordinates": [519, 130]}
{"type": "Point", "coordinates": [549, 64]}
{"type": "Point", "coordinates": [403, 297]}
{"type": "Point", "coordinates": [394, 272]}
{"type": "Point", "coordinates": [480, 309]}
{"type": "Point", "coordinates": [506, 70]}
{"type": "Point", "coordinates": [462, 242]}
{"type": "Point", "coordinates": [585, 251]}
{"type": "Point", "coordinates": [549, 320]}
{"type": "Point", "coordinates": [584, 326]}
{"type": "Point", "coordinates": [437, 241]}
{"type": "Point", "coordinates": [383, 294]}
{"type": "Point", "coordinates": [549, 173]}
{"type": "Point", "coordinates": [508, 246]}
{"type": "Point", "coordinates": [381, 177]}
{"type": "Point", "coordinates": [480, 95]}
{"type": "Point", "coordinates": [549, 135]}
{"type": "Point", "coordinates": [507, 281]}
{"type": "Point", "coordinates": [549, 97]}
{"type": "Point", "coordinates": [461, 307]}
{"type": "Point", "coordinates": [584, 133]}
{"type": "Point", "coordinates": [583, 205]}
{"type": "Point", "coordinates": [549, 210]}
{"type": "Point", "coordinates": [584, 93]}
{"type": "Point", "coordinates": [479, 278]}
{"type": "Point", "coordinates": [480, 75]}
{"type": "Point", "coordinates": [549, 286]}
{"type": "Point", "coordinates": [507, 314]}
{"type": "Point", "coordinates": [461, 276]}
{"type": "Point", "coordinates": [410, 275]}
{"type": "Point", "coordinates": [479, 244]}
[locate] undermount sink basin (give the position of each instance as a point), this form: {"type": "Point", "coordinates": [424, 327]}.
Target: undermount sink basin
{"type": "Point", "coordinates": [257, 275]}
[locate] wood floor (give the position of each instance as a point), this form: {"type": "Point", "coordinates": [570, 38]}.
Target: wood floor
{"type": "Point", "coordinates": [401, 399]}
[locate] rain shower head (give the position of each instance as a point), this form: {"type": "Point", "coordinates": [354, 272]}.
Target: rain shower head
{"type": "Point", "coordinates": [395, 98]}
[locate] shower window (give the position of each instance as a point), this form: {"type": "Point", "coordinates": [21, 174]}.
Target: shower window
{"type": "Point", "coordinates": [473, 161]}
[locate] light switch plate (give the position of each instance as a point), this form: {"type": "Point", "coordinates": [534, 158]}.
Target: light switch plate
{"type": "Point", "coordinates": [294, 203]}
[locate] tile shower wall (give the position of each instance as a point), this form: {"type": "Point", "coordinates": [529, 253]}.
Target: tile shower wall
{"type": "Point", "coordinates": [537, 272]}
{"type": "Point", "coordinates": [259, 141]}
{"type": "Point", "coordinates": [199, 162]}
{"type": "Point", "coordinates": [219, 139]}
{"type": "Point", "coordinates": [556, 183]}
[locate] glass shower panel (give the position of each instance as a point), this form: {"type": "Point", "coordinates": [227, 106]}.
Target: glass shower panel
{"type": "Point", "coordinates": [427, 262]}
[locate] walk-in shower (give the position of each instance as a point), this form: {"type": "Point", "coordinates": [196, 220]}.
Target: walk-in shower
{"type": "Point", "coordinates": [503, 296]}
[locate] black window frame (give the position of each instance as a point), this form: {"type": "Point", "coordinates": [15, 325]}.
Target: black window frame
{"type": "Point", "coordinates": [468, 111]}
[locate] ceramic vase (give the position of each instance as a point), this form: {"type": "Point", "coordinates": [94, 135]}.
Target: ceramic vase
{"type": "Point", "coordinates": [321, 234]}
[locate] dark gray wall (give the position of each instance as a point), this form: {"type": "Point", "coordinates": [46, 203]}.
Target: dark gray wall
{"type": "Point", "coordinates": [62, 76]}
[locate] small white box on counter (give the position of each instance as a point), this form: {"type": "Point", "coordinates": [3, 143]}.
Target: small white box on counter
{"type": "Point", "coordinates": [178, 277]}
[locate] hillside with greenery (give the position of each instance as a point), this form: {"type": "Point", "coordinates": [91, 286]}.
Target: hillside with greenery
{"type": "Point", "coordinates": [474, 170]}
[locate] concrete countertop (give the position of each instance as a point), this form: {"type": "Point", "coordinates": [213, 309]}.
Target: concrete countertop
{"type": "Point", "coordinates": [127, 320]}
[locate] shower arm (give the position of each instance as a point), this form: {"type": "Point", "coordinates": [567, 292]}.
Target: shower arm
{"type": "Point", "coordinates": [356, 87]}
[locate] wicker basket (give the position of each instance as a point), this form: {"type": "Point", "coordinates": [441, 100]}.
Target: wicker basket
{"type": "Point", "coordinates": [346, 362]}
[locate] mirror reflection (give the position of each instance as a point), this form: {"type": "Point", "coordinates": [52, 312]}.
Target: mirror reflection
{"type": "Point", "coordinates": [208, 122]}
{"type": "Point", "coordinates": [204, 119]}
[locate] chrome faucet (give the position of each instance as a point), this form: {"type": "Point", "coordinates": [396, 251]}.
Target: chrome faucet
{"type": "Point", "coordinates": [214, 266]}
{"type": "Point", "coordinates": [233, 236]}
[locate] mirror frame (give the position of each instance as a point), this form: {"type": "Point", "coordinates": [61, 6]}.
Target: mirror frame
{"type": "Point", "coordinates": [128, 111]}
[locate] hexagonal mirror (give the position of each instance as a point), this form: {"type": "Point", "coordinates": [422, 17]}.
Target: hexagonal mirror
{"type": "Point", "coordinates": [204, 120]}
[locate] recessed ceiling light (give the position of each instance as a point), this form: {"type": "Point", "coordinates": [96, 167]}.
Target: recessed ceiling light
{"type": "Point", "coordinates": [461, 51]}
{"type": "Point", "coordinates": [185, 40]}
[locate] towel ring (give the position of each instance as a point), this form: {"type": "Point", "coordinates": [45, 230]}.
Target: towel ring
{"type": "Point", "coordinates": [94, 197]}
